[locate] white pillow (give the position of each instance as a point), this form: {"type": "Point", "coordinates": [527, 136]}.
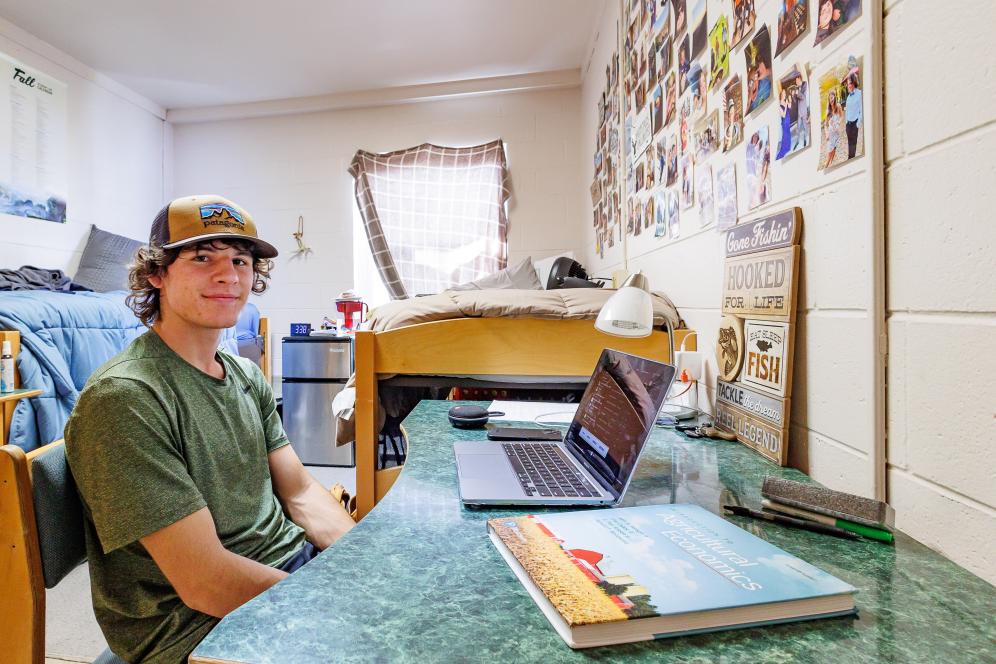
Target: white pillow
{"type": "Point", "coordinates": [520, 275]}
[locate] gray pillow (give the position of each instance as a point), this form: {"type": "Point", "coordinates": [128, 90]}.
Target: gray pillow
{"type": "Point", "coordinates": [104, 265]}
{"type": "Point", "coordinates": [521, 276]}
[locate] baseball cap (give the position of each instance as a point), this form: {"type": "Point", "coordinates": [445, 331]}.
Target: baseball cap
{"type": "Point", "coordinates": [193, 219]}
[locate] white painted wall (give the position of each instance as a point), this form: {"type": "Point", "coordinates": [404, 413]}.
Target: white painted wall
{"type": "Point", "coordinates": [285, 166]}
{"type": "Point", "coordinates": [115, 161]}
{"type": "Point", "coordinates": [940, 171]}
{"type": "Point", "coordinates": [833, 400]}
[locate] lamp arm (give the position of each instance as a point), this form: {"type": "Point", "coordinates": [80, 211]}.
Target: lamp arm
{"type": "Point", "coordinates": [670, 340]}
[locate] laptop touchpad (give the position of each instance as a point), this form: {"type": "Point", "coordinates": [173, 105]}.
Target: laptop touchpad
{"type": "Point", "coordinates": [481, 466]}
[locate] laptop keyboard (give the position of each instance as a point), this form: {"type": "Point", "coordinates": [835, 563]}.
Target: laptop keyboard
{"type": "Point", "coordinates": [543, 470]}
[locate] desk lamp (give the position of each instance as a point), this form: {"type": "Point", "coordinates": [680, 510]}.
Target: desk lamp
{"type": "Point", "coordinates": [630, 313]}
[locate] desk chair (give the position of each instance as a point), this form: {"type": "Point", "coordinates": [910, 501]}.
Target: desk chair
{"type": "Point", "coordinates": [41, 541]}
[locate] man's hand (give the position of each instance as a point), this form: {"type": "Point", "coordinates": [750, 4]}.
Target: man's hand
{"type": "Point", "coordinates": [208, 577]}
{"type": "Point", "coordinates": [306, 502]}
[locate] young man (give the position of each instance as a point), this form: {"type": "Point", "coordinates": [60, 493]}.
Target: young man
{"type": "Point", "coordinates": [194, 500]}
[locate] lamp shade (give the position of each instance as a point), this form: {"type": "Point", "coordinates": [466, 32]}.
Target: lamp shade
{"type": "Point", "coordinates": [629, 312]}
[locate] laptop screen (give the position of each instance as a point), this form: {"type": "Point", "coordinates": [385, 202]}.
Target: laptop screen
{"type": "Point", "coordinates": [616, 414]}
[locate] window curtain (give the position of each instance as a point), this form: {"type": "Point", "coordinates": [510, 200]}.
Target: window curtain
{"type": "Point", "coordinates": [434, 216]}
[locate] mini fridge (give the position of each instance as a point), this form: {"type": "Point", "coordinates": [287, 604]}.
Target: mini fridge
{"type": "Point", "coordinates": [315, 369]}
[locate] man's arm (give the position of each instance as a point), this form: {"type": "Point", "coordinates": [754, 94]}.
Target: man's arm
{"type": "Point", "coordinates": [306, 502]}
{"type": "Point", "coordinates": [208, 577]}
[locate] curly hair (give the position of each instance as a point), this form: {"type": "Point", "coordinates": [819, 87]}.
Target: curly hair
{"type": "Point", "coordinates": [153, 261]}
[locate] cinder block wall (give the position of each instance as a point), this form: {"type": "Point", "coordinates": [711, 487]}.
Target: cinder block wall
{"type": "Point", "coordinates": [940, 130]}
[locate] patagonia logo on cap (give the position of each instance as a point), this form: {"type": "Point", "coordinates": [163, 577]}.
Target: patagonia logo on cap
{"type": "Point", "coordinates": [219, 214]}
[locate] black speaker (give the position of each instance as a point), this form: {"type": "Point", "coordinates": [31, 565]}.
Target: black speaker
{"type": "Point", "coordinates": [470, 417]}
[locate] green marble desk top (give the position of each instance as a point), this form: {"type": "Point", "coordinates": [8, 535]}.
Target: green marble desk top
{"type": "Point", "coordinates": [418, 580]}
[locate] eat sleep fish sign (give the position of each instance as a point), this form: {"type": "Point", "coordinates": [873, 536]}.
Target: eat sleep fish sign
{"type": "Point", "coordinates": [767, 357]}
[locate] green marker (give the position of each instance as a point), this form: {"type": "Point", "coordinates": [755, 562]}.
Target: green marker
{"type": "Point", "coordinates": [857, 528]}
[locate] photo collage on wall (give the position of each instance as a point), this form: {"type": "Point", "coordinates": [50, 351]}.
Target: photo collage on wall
{"type": "Point", "coordinates": [606, 194]}
{"type": "Point", "coordinates": [702, 89]}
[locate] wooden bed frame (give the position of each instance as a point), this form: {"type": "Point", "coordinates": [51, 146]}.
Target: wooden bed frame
{"type": "Point", "coordinates": [479, 347]}
{"type": "Point", "coordinates": [7, 407]}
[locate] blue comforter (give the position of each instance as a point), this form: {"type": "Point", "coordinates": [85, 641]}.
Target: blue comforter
{"type": "Point", "coordinates": [65, 337]}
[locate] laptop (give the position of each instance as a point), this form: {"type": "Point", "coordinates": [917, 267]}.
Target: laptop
{"type": "Point", "coordinates": [597, 458]}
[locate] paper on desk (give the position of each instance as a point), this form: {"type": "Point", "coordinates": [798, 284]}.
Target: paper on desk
{"type": "Point", "coordinates": [527, 411]}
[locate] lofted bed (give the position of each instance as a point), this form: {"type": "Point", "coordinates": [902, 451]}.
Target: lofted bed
{"type": "Point", "coordinates": [495, 348]}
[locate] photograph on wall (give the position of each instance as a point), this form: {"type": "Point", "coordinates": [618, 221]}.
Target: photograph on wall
{"type": "Point", "coordinates": [639, 94]}
{"type": "Point", "coordinates": [743, 20]}
{"type": "Point", "coordinates": [642, 134]}
{"type": "Point", "coordinates": [598, 162]}
{"type": "Point", "coordinates": [793, 21]}
{"type": "Point", "coordinates": [842, 131]}
{"type": "Point", "coordinates": [719, 48]}
{"type": "Point", "coordinates": [726, 197]}
{"type": "Point", "coordinates": [660, 158]}
{"type": "Point", "coordinates": [638, 216]}
{"type": "Point", "coordinates": [672, 161]}
{"type": "Point", "coordinates": [657, 108]}
{"type": "Point", "coordinates": [680, 16]}
{"type": "Point", "coordinates": [670, 98]}
{"type": "Point", "coordinates": [758, 168]}
{"type": "Point", "coordinates": [793, 113]}
{"type": "Point", "coordinates": [660, 213]}
{"type": "Point", "coordinates": [663, 50]}
{"type": "Point", "coordinates": [673, 216]}
{"type": "Point", "coordinates": [648, 168]}
{"type": "Point", "coordinates": [758, 56]}
{"type": "Point", "coordinates": [706, 137]}
{"type": "Point", "coordinates": [733, 114]}
{"type": "Point", "coordinates": [833, 15]}
{"type": "Point", "coordinates": [651, 66]}
{"type": "Point", "coordinates": [698, 27]}
{"type": "Point", "coordinates": [662, 18]}
{"type": "Point", "coordinates": [687, 185]}
{"type": "Point", "coordinates": [649, 212]}
{"type": "Point", "coordinates": [696, 87]}
{"type": "Point", "coordinates": [684, 123]}
{"type": "Point", "coordinates": [596, 191]}
{"type": "Point", "coordinates": [684, 62]}
{"type": "Point", "coordinates": [642, 50]}
{"type": "Point", "coordinates": [703, 194]}
{"type": "Point", "coordinates": [33, 145]}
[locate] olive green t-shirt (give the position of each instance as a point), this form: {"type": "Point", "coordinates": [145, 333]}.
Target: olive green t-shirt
{"type": "Point", "coordinates": [151, 440]}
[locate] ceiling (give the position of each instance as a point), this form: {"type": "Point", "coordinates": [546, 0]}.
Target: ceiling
{"type": "Point", "coordinates": [195, 53]}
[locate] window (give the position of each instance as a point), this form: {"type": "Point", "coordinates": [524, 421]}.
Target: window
{"type": "Point", "coordinates": [434, 216]}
